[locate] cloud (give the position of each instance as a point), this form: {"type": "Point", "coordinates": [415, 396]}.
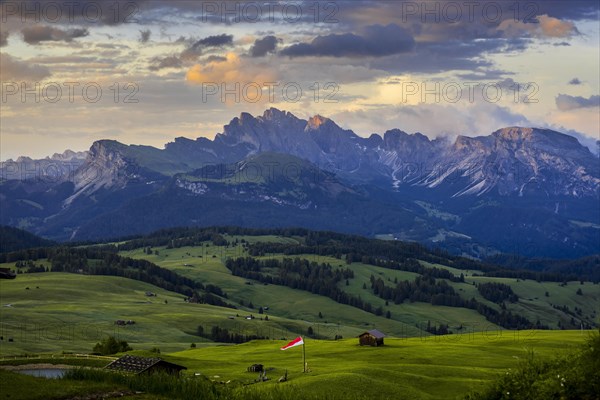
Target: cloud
{"type": "Point", "coordinates": [575, 81]}
{"type": "Point", "coordinates": [41, 33]}
{"type": "Point", "coordinates": [592, 143]}
{"type": "Point", "coordinates": [546, 27]}
{"type": "Point", "coordinates": [215, 59]}
{"type": "Point", "coordinates": [194, 51]}
{"type": "Point", "coordinates": [3, 38]}
{"type": "Point", "coordinates": [438, 56]}
{"type": "Point", "coordinates": [261, 47]}
{"type": "Point", "coordinates": [158, 63]}
{"type": "Point", "coordinates": [233, 70]}
{"type": "Point", "coordinates": [377, 41]}
{"type": "Point", "coordinates": [432, 119]}
{"type": "Point", "coordinates": [565, 102]}
{"type": "Point", "coordinates": [190, 54]}
{"type": "Point", "coordinates": [215, 41]}
{"type": "Point", "coordinates": [145, 35]}
{"type": "Point", "coordinates": [556, 28]}
{"type": "Point", "coordinates": [14, 69]}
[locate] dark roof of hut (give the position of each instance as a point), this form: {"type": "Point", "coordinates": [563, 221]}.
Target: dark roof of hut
{"type": "Point", "coordinates": [375, 333]}
{"type": "Point", "coordinates": [137, 364]}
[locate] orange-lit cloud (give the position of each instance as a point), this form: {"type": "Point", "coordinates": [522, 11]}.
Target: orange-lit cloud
{"type": "Point", "coordinates": [233, 70]}
{"type": "Point", "coordinates": [547, 26]}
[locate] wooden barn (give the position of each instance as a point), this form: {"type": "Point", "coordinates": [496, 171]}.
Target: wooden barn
{"type": "Point", "coordinates": [139, 365]}
{"type": "Point", "coordinates": [371, 338]}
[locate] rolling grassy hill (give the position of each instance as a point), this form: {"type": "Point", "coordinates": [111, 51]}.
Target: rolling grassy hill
{"type": "Point", "coordinates": [82, 308]}
{"type": "Point", "coordinates": [70, 312]}
{"type": "Point", "coordinates": [413, 368]}
{"type": "Point", "coordinates": [206, 264]}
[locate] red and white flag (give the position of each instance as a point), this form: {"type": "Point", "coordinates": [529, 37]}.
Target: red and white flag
{"type": "Point", "coordinates": [296, 342]}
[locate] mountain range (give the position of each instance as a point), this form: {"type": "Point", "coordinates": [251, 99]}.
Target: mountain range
{"type": "Point", "coordinates": [528, 191]}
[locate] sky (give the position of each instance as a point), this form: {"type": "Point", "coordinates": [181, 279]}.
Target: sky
{"type": "Point", "coordinates": [148, 71]}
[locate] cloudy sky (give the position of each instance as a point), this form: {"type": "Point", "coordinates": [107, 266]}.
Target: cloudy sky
{"type": "Point", "coordinates": [147, 71]}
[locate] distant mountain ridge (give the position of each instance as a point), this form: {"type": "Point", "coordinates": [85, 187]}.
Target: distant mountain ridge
{"type": "Point", "coordinates": [411, 187]}
{"type": "Point", "coordinates": [510, 161]}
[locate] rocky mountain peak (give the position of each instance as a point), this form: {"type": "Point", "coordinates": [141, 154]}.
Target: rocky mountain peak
{"type": "Point", "coordinates": [105, 148]}
{"type": "Point", "coordinates": [69, 155]}
{"type": "Point", "coordinates": [316, 121]}
{"type": "Point", "coordinates": [514, 133]}
{"type": "Point", "coordinates": [536, 136]}
{"type": "Point", "coordinates": [274, 114]}
{"type": "Point", "coordinates": [472, 144]}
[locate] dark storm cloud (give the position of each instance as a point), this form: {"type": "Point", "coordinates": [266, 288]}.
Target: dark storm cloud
{"type": "Point", "coordinates": [261, 47]}
{"type": "Point", "coordinates": [192, 53]}
{"type": "Point", "coordinates": [575, 10]}
{"type": "Point", "coordinates": [449, 55]}
{"type": "Point", "coordinates": [215, 41]}
{"type": "Point", "coordinates": [575, 81]}
{"type": "Point", "coordinates": [565, 102]}
{"type": "Point", "coordinates": [377, 41]}
{"type": "Point", "coordinates": [41, 33]}
{"type": "Point", "coordinates": [453, 13]}
{"type": "Point", "coordinates": [347, 13]}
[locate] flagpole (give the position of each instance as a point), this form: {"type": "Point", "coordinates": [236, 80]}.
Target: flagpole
{"type": "Point", "coordinates": [303, 356]}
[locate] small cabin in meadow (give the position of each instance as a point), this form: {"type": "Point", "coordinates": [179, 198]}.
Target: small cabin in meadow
{"type": "Point", "coordinates": [256, 368]}
{"type": "Point", "coordinates": [371, 338]}
{"type": "Point", "coordinates": [138, 365]}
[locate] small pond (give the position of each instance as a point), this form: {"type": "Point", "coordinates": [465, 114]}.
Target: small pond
{"type": "Point", "coordinates": [52, 373]}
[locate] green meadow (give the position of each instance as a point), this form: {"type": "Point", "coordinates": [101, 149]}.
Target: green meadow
{"type": "Point", "coordinates": [445, 367]}
{"type": "Point", "coordinates": [413, 368]}
{"type": "Point", "coordinates": [71, 312]}
{"type": "Point", "coordinates": [536, 299]}
{"type": "Point", "coordinates": [63, 313]}
{"type": "Point", "coordinates": [55, 316]}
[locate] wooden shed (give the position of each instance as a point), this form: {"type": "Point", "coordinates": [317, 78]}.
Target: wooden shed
{"type": "Point", "coordinates": [138, 365]}
{"type": "Point", "coordinates": [256, 368]}
{"type": "Point", "coordinates": [371, 338]}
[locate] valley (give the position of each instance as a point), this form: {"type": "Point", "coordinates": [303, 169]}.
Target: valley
{"type": "Point", "coordinates": [36, 300]}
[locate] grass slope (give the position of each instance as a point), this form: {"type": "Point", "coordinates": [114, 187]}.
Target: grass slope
{"type": "Point", "coordinates": [206, 264]}
{"type": "Point", "coordinates": [71, 312]}
{"type": "Point", "coordinates": [414, 368]}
